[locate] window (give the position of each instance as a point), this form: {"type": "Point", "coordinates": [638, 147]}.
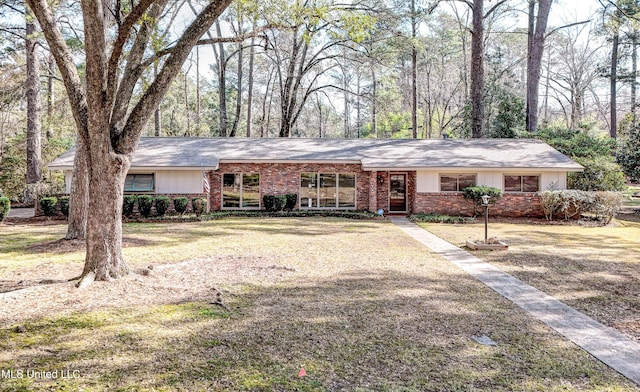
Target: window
{"type": "Point", "coordinates": [327, 190]}
{"type": "Point", "coordinates": [456, 182]}
{"type": "Point", "coordinates": [139, 183]}
{"type": "Point", "coordinates": [241, 190]}
{"type": "Point", "coordinates": [518, 183]}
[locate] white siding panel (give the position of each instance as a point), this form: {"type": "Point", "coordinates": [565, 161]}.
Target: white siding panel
{"type": "Point", "coordinates": [427, 181]}
{"type": "Point", "coordinates": [67, 179]}
{"type": "Point", "coordinates": [491, 179]}
{"type": "Point", "coordinates": [560, 178]}
{"type": "Point", "coordinates": [179, 181]}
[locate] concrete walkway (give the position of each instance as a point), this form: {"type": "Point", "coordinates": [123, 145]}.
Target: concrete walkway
{"type": "Point", "coordinates": [607, 344]}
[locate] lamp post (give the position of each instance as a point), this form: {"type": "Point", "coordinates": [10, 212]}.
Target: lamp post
{"type": "Point", "coordinates": [485, 204]}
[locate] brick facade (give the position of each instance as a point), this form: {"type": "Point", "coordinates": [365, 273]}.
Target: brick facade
{"type": "Point", "coordinates": [283, 178]}
{"type": "Point", "coordinates": [515, 205]}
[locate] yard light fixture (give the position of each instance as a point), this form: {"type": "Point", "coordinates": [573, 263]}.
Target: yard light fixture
{"type": "Point", "coordinates": [485, 204]}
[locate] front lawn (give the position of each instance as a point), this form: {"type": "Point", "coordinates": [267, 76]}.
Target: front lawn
{"type": "Point", "coordinates": [593, 269]}
{"type": "Point", "coordinates": [244, 304]}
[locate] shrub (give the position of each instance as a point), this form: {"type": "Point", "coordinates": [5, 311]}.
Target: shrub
{"type": "Point", "coordinates": [64, 205]}
{"type": "Point", "coordinates": [269, 202]}
{"type": "Point", "coordinates": [292, 199]}
{"type": "Point", "coordinates": [128, 204]}
{"type": "Point", "coordinates": [566, 202]}
{"type": "Point", "coordinates": [475, 193]}
{"type": "Point", "coordinates": [162, 205]}
{"type": "Point", "coordinates": [438, 218]}
{"type": "Point", "coordinates": [145, 202]}
{"type": "Point", "coordinates": [180, 204]}
{"type": "Point", "coordinates": [600, 174]}
{"type": "Point", "coordinates": [49, 205]}
{"type": "Point", "coordinates": [280, 202]}
{"type": "Point", "coordinates": [199, 205]}
{"type": "Point", "coordinates": [5, 207]}
{"type": "Point", "coordinates": [606, 205]}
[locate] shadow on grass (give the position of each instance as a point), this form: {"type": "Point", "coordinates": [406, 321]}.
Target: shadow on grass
{"type": "Point", "coordinates": [382, 330]}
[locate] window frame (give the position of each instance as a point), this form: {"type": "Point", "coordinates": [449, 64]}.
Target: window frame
{"type": "Point", "coordinates": [457, 176]}
{"type": "Point", "coordinates": [134, 190]}
{"type": "Point", "coordinates": [241, 191]}
{"type": "Point", "coordinates": [316, 180]}
{"type": "Point", "coordinates": [522, 176]}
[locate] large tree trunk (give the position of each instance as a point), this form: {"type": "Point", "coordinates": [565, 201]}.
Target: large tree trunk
{"type": "Point", "coordinates": [477, 71]}
{"type": "Point", "coordinates": [374, 106]}
{"type": "Point", "coordinates": [534, 60]}
{"type": "Point", "coordinates": [104, 259]}
{"type": "Point", "coordinates": [34, 105]}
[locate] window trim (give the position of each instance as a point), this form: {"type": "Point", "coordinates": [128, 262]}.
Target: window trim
{"type": "Point", "coordinates": [317, 187]}
{"type": "Point", "coordinates": [440, 175]}
{"type": "Point", "coordinates": [153, 183]}
{"type": "Point", "coordinates": [240, 207]}
{"type": "Point", "coordinates": [521, 175]}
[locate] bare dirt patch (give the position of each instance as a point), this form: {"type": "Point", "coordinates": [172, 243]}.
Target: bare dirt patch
{"type": "Point", "coordinates": [65, 246]}
{"type": "Point", "coordinates": [191, 280]}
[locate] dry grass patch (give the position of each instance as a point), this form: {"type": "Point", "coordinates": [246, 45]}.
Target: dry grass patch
{"type": "Point", "coordinates": [593, 269]}
{"type": "Point", "coordinates": [360, 305]}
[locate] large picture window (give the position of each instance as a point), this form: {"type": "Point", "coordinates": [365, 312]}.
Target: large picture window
{"type": "Point", "coordinates": [139, 183]}
{"type": "Point", "coordinates": [456, 182]}
{"type": "Point", "coordinates": [328, 190]}
{"type": "Point", "coordinates": [241, 190]}
{"type": "Point", "coordinates": [520, 183]}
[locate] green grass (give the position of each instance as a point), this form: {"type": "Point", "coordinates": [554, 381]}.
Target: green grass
{"type": "Point", "coordinates": [362, 307]}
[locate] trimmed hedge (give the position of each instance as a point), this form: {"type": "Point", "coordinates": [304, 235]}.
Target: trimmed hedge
{"type": "Point", "coordinates": [273, 203]}
{"type": "Point", "coordinates": [475, 193]}
{"type": "Point", "coordinates": [128, 204]}
{"type": "Point", "coordinates": [162, 205]}
{"type": "Point", "coordinates": [64, 205]}
{"type": "Point", "coordinates": [180, 204]}
{"type": "Point", "coordinates": [5, 207]}
{"type": "Point", "coordinates": [199, 205]}
{"type": "Point", "coordinates": [568, 203]}
{"type": "Point", "coordinates": [49, 205]}
{"type": "Point", "coordinates": [145, 203]}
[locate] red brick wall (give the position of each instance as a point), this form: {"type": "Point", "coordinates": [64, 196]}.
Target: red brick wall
{"type": "Point", "coordinates": [514, 205]}
{"type": "Point", "coordinates": [283, 178]}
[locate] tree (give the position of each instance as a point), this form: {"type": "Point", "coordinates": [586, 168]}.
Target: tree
{"type": "Point", "coordinates": [34, 105]}
{"type": "Point", "coordinates": [536, 34]}
{"type": "Point", "coordinates": [108, 116]}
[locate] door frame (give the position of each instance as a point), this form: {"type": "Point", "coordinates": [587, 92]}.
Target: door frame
{"type": "Point", "coordinates": [406, 196]}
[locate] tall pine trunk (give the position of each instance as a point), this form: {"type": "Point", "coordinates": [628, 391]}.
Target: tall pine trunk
{"type": "Point", "coordinates": [477, 71]}
{"type": "Point", "coordinates": [34, 105]}
{"type": "Point", "coordinates": [534, 60]}
{"type": "Point", "coordinates": [613, 82]}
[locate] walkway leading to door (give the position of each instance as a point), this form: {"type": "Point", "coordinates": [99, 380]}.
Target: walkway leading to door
{"type": "Point", "coordinates": [608, 345]}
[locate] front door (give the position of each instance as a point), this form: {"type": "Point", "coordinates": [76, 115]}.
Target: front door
{"type": "Point", "coordinates": [398, 193]}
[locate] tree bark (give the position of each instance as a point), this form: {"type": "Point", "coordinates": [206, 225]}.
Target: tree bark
{"type": "Point", "coordinates": [634, 77]}
{"type": "Point", "coordinates": [34, 104]}
{"type": "Point", "coordinates": [50, 97]}
{"type": "Point", "coordinates": [613, 82]}
{"type": "Point", "coordinates": [222, 84]}
{"type": "Point", "coordinates": [79, 200]}
{"type": "Point", "coordinates": [250, 87]}
{"type": "Point", "coordinates": [477, 71]}
{"type": "Point", "coordinates": [534, 60]}
{"type": "Point", "coordinates": [414, 73]}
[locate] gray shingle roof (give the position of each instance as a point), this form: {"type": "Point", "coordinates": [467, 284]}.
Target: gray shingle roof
{"type": "Point", "coordinates": [374, 154]}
